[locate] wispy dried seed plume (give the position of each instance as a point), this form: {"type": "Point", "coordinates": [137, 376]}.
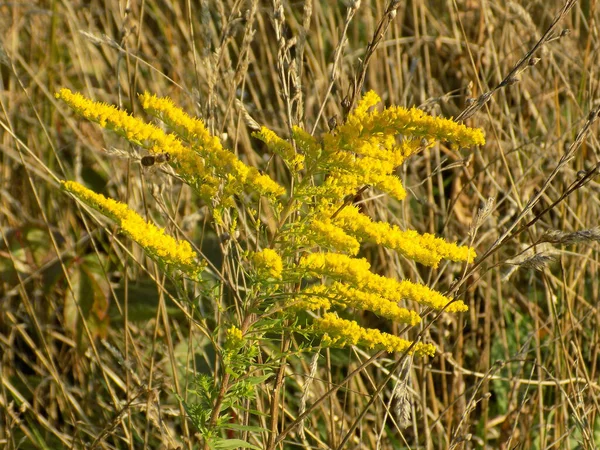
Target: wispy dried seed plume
{"type": "Point", "coordinates": [478, 103]}
{"type": "Point", "coordinates": [535, 258]}
{"type": "Point", "coordinates": [537, 261]}
{"type": "Point", "coordinates": [305, 391]}
{"type": "Point", "coordinates": [403, 407]}
{"type": "Point", "coordinates": [576, 237]}
{"type": "Point", "coordinates": [248, 119]}
{"type": "Point", "coordinates": [483, 213]}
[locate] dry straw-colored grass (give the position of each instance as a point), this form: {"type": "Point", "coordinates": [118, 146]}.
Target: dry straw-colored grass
{"type": "Point", "coordinates": [519, 370]}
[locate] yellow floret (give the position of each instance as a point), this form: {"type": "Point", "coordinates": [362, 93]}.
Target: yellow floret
{"type": "Point", "coordinates": [408, 122]}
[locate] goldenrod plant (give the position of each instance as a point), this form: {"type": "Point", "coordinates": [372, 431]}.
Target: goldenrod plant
{"type": "Point", "coordinates": [299, 274]}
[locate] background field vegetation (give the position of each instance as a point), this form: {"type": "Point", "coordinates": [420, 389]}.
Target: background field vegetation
{"type": "Point", "coordinates": [519, 370]}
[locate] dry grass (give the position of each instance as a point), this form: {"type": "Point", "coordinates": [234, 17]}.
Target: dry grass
{"type": "Point", "coordinates": [520, 370]}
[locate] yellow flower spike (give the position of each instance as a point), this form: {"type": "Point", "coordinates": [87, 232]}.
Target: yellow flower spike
{"type": "Point", "coordinates": [264, 184]}
{"type": "Point", "coordinates": [418, 123]}
{"type": "Point", "coordinates": [367, 101]}
{"type": "Point", "coordinates": [224, 163]}
{"type": "Point", "coordinates": [412, 122]}
{"type": "Point", "coordinates": [306, 142]}
{"type": "Point", "coordinates": [335, 264]}
{"type": "Point", "coordinates": [341, 333]}
{"type": "Point", "coordinates": [354, 298]}
{"type": "Point", "coordinates": [423, 248]}
{"type": "Point", "coordinates": [326, 234]}
{"type": "Point", "coordinates": [176, 118]}
{"type": "Point", "coordinates": [268, 263]}
{"type": "Point", "coordinates": [148, 236]}
{"type": "Point", "coordinates": [311, 299]}
{"type": "Point", "coordinates": [347, 182]}
{"type": "Point", "coordinates": [390, 184]}
{"type": "Point", "coordinates": [339, 294]}
{"type": "Point", "coordinates": [357, 273]}
{"type": "Point", "coordinates": [189, 164]}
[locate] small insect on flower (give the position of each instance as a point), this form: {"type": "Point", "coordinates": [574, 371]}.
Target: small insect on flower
{"type": "Point", "coordinates": [158, 158]}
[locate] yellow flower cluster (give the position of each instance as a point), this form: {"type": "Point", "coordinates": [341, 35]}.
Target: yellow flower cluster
{"type": "Point", "coordinates": [148, 236]}
{"type": "Point", "coordinates": [365, 172]}
{"type": "Point", "coordinates": [325, 233]}
{"type": "Point", "coordinates": [312, 298]}
{"type": "Point", "coordinates": [268, 263]}
{"type": "Point", "coordinates": [189, 164]}
{"type": "Point", "coordinates": [222, 162]}
{"type": "Point", "coordinates": [322, 297]}
{"type": "Point", "coordinates": [407, 122]}
{"type": "Point", "coordinates": [283, 148]}
{"type": "Point", "coordinates": [353, 162]}
{"type": "Point", "coordinates": [364, 150]}
{"type": "Point", "coordinates": [423, 248]}
{"type": "Point", "coordinates": [381, 306]}
{"type": "Point", "coordinates": [357, 273]}
{"type": "Point", "coordinates": [340, 333]}
{"type": "Point", "coordinates": [234, 339]}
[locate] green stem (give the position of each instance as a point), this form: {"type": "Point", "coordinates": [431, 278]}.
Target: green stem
{"type": "Point", "coordinates": [223, 390]}
{"type": "Point", "coordinates": [274, 410]}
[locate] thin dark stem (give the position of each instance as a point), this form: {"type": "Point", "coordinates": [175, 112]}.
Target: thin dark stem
{"type": "Point", "coordinates": [523, 63]}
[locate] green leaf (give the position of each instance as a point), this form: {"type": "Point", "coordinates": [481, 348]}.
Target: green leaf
{"type": "Point", "coordinates": [90, 296]}
{"type": "Point", "coordinates": [218, 443]}
{"type": "Point", "coordinates": [254, 412]}
{"type": "Point", "coordinates": [254, 381]}
{"type": "Point", "coordinates": [237, 427]}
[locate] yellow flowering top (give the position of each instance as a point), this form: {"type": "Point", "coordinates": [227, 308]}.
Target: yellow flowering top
{"type": "Point", "coordinates": [407, 122]}
{"type": "Point", "coordinates": [268, 263]}
{"type": "Point", "coordinates": [365, 150]}
{"type": "Point", "coordinates": [339, 332]}
{"type": "Point", "coordinates": [151, 238]}
{"type": "Point", "coordinates": [188, 163]}
{"type": "Point", "coordinates": [324, 172]}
